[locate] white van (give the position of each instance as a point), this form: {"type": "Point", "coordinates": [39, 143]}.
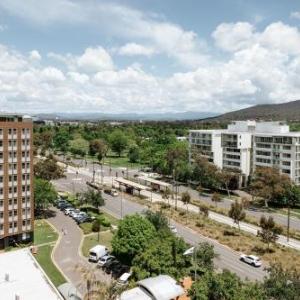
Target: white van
{"type": "Point", "coordinates": [123, 280]}
{"type": "Point", "coordinates": [97, 252]}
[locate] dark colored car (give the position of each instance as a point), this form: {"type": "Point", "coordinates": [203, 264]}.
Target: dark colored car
{"type": "Point", "coordinates": [84, 219]}
{"type": "Point", "coordinates": [113, 266]}
{"type": "Point", "coordinates": [63, 206]}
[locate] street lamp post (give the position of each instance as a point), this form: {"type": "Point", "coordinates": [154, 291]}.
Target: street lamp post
{"type": "Point", "coordinates": [121, 204]}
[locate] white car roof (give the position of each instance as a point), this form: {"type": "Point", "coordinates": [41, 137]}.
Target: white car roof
{"type": "Point", "coordinates": [124, 276]}
{"type": "Point", "coordinates": [253, 257]}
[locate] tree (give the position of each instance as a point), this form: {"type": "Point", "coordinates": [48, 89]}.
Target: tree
{"type": "Point", "coordinates": [44, 194]}
{"type": "Point", "coordinates": [162, 256]}
{"type": "Point", "coordinates": [237, 212]}
{"type": "Point", "coordinates": [204, 257]}
{"type": "Point", "coordinates": [206, 173]}
{"type": "Point", "coordinates": [270, 231]}
{"type": "Point", "coordinates": [61, 140]}
{"type": "Point", "coordinates": [48, 169]}
{"type": "Point", "coordinates": [132, 237]}
{"type": "Point", "coordinates": [186, 199]}
{"type": "Point", "coordinates": [93, 197]}
{"type": "Point", "coordinates": [228, 180]}
{"type": "Point", "coordinates": [216, 198]}
{"type": "Point", "coordinates": [282, 284]}
{"type": "Point", "coordinates": [203, 209]}
{"type": "Point", "coordinates": [98, 147]}
{"type": "Point", "coordinates": [118, 141]}
{"type": "Point", "coordinates": [269, 184]}
{"type": "Point", "coordinates": [166, 194]}
{"type": "Point", "coordinates": [134, 154]}
{"type": "Point", "coordinates": [158, 220]}
{"type": "Point", "coordinates": [79, 146]}
{"type": "Point", "coordinates": [225, 286]}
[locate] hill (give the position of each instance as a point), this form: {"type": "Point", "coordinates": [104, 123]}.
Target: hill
{"type": "Point", "coordinates": [289, 111]}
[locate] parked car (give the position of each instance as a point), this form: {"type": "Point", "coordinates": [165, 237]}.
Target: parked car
{"type": "Point", "coordinates": [59, 203]}
{"type": "Point", "coordinates": [105, 259]}
{"type": "Point", "coordinates": [114, 193]}
{"type": "Point", "coordinates": [113, 265]}
{"type": "Point", "coordinates": [251, 260]}
{"type": "Point", "coordinates": [173, 229]}
{"type": "Point", "coordinates": [68, 210]}
{"type": "Point", "coordinates": [97, 252]}
{"type": "Point", "coordinates": [74, 213]}
{"type": "Point", "coordinates": [63, 206]}
{"type": "Point", "coordinates": [83, 219]}
{"type": "Point", "coordinates": [123, 280]}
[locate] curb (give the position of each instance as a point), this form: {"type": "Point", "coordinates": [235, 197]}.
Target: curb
{"type": "Point", "coordinates": [54, 249]}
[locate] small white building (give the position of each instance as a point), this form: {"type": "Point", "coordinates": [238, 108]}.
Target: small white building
{"type": "Point", "coordinates": [162, 287]}
{"type": "Point", "coordinates": [22, 278]}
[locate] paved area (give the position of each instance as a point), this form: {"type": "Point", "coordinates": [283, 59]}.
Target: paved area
{"type": "Point", "coordinates": [66, 254]}
{"type": "Point", "coordinates": [228, 258]}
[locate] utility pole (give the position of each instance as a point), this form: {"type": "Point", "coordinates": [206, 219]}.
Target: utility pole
{"type": "Point", "coordinates": [121, 204]}
{"type": "Point", "coordinates": [102, 174]}
{"type": "Point", "coordinates": [288, 222]}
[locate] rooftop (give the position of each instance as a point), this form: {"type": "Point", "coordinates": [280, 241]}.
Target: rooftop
{"type": "Point", "coordinates": [20, 275]}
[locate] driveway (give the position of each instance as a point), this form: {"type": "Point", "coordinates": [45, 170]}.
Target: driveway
{"type": "Point", "coordinates": [66, 253]}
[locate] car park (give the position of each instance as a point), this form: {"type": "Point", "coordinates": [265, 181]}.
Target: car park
{"type": "Point", "coordinates": [105, 259]}
{"type": "Point", "coordinates": [251, 260]}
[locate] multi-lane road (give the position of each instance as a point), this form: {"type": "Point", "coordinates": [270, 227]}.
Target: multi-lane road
{"type": "Point", "coordinates": [227, 258]}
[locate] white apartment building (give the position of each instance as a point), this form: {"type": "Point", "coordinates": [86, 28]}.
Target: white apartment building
{"type": "Point", "coordinates": [246, 145]}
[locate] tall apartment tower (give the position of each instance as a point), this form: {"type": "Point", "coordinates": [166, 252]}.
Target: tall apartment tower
{"type": "Point", "coordinates": [16, 180]}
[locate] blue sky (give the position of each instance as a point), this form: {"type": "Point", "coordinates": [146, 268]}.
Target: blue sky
{"type": "Point", "coordinates": [147, 55]}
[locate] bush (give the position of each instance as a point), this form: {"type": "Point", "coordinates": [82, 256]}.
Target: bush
{"type": "Point", "coordinates": [165, 205]}
{"type": "Point", "coordinates": [229, 233]}
{"type": "Point", "coordinates": [96, 225]}
{"type": "Point", "coordinates": [104, 222]}
{"type": "Point", "coordinates": [199, 224]}
{"type": "Point", "coordinates": [182, 213]}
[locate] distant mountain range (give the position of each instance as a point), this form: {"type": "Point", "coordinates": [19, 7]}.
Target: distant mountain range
{"type": "Point", "coordinates": [169, 116]}
{"type": "Point", "coordinates": [289, 111]}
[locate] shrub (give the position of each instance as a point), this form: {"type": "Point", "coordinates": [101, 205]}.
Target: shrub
{"type": "Point", "coordinates": [96, 225]}
{"type": "Point", "coordinates": [199, 224]}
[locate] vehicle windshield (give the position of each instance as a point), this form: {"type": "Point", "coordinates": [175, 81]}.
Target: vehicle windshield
{"type": "Point", "coordinates": [92, 254]}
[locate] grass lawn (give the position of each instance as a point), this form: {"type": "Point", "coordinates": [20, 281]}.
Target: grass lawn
{"type": "Point", "coordinates": [87, 227]}
{"type": "Point", "coordinates": [92, 240]}
{"type": "Point", "coordinates": [44, 258]}
{"type": "Point", "coordinates": [43, 233]}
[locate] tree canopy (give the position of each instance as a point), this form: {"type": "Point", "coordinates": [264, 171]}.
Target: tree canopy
{"type": "Point", "coordinates": [132, 237]}
{"type": "Point", "coordinates": [48, 169]}
{"type": "Point", "coordinates": [44, 194]}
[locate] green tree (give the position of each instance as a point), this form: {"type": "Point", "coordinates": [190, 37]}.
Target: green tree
{"type": "Point", "coordinates": [48, 169]}
{"type": "Point", "coordinates": [269, 231]}
{"type": "Point", "coordinates": [118, 141]}
{"type": "Point", "coordinates": [270, 184]}
{"type": "Point", "coordinates": [162, 256]}
{"type": "Point", "coordinates": [159, 221]}
{"type": "Point", "coordinates": [204, 257]}
{"type": "Point", "coordinates": [61, 140]}
{"type": "Point", "coordinates": [132, 237]}
{"type": "Point", "coordinates": [99, 148]}
{"type": "Point", "coordinates": [44, 194]}
{"type": "Point", "coordinates": [79, 146]}
{"type": "Point", "coordinates": [186, 199]}
{"type": "Point", "coordinates": [216, 198]}
{"type": "Point", "coordinates": [203, 209]}
{"type": "Point", "coordinates": [93, 197]}
{"type": "Point", "coordinates": [134, 154]}
{"type": "Point", "coordinates": [237, 212]}
{"type": "Point", "coordinates": [167, 194]}
{"type": "Point", "coordinates": [224, 286]}
{"type": "Point", "coordinates": [282, 284]}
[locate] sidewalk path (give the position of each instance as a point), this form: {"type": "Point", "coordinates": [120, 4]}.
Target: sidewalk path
{"type": "Point", "coordinates": [66, 253]}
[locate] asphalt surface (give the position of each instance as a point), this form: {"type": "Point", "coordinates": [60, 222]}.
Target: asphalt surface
{"type": "Point", "coordinates": [225, 203]}
{"type": "Point", "coordinates": [66, 253]}
{"type": "Point", "coordinates": [227, 258]}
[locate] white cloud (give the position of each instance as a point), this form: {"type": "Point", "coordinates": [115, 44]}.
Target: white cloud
{"type": "Point", "coordinates": [132, 49]}
{"type": "Point", "coordinates": [52, 74]}
{"type": "Point", "coordinates": [295, 15]}
{"type": "Point", "coordinates": [115, 20]}
{"type": "Point", "coordinates": [95, 59]}
{"type": "Point", "coordinates": [234, 36]}
{"type": "Point", "coordinates": [35, 55]}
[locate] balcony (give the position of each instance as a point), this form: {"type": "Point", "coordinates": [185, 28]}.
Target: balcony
{"type": "Point", "coordinates": [12, 136]}
{"type": "Point", "coordinates": [26, 205]}
{"type": "Point", "coordinates": [25, 136]}
{"type": "Point", "coordinates": [26, 193]}
{"type": "Point", "coordinates": [26, 227]}
{"type": "Point", "coordinates": [24, 147]}
{"type": "Point", "coordinates": [13, 219]}
{"type": "Point", "coordinates": [26, 159]}
{"type": "Point", "coordinates": [13, 172]}
{"type": "Point", "coordinates": [2, 208]}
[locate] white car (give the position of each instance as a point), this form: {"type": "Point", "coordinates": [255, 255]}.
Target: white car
{"type": "Point", "coordinates": [114, 193]}
{"type": "Point", "coordinates": [123, 280]}
{"type": "Point", "coordinates": [69, 210]}
{"type": "Point", "coordinates": [251, 260]}
{"type": "Point", "coordinates": [105, 259]}
{"type": "Point", "coordinates": [74, 213]}
{"type": "Point", "coordinates": [173, 228]}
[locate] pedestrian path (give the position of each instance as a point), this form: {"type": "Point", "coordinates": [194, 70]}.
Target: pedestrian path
{"type": "Point", "coordinates": [66, 254]}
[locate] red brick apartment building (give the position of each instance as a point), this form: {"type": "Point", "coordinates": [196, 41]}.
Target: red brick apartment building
{"type": "Point", "coordinates": [16, 179]}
